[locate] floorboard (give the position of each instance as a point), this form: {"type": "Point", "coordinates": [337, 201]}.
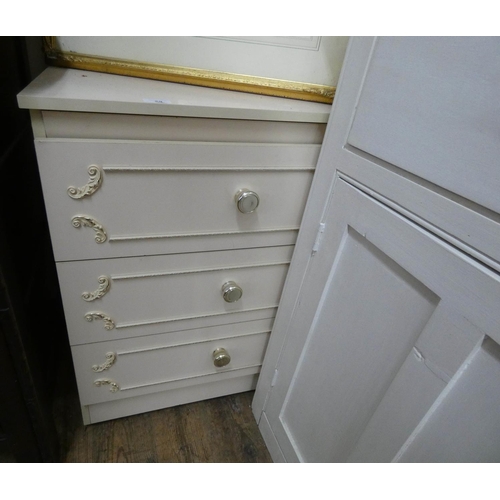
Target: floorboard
{"type": "Point", "coordinates": [221, 430]}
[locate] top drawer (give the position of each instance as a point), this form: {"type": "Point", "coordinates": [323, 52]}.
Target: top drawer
{"type": "Point", "coordinates": [122, 198]}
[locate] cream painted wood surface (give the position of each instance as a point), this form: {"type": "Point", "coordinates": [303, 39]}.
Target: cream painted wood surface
{"type": "Point", "coordinates": [86, 91]}
{"type": "Point", "coordinates": [176, 393]}
{"type": "Point", "coordinates": [461, 425]}
{"type": "Point", "coordinates": [144, 295]}
{"type": "Point", "coordinates": [388, 308]}
{"type": "Point", "coordinates": [442, 99]}
{"type": "Point", "coordinates": [156, 196]}
{"type": "Point", "coordinates": [73, 125]}
{"type": "Point", "coordinates": [476, 230]}
{"type": "Point", "coordinates": [385, 345]}
{"type": "Point", "coordinates": [145, 229]}
{"type": "Point", "coordinates": [146, 365]}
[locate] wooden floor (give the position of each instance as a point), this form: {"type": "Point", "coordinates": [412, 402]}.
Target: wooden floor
{"type": "Point", "coordinates": [221, 430]}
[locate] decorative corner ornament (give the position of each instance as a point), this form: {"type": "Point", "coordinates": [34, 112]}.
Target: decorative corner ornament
{"type": "Point", "coordinates": [109, 324]}
{"type": "Point", "coordinates": [104, 286]}
{"type": "Point", "coordinates": [91, 187]}
{"type": "Point", "coordinates": [86, 221]}
{"type": "Point", "coordinates": [110, 359]}
{"type": "Point", "coordinates": [106, 381]}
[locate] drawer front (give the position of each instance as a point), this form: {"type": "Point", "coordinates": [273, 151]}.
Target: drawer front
{"type": "Point", "coordinates": [111, 199]}
{"type": "Point", "coordinates": [108, 371]}
{"type": "Point", "coordinates": [178, 393]}
{"type": "Point", "coordinates": [121, 298]}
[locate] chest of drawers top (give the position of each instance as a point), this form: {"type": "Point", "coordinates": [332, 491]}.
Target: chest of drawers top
{"type": "Point", "coordinates": [85, 91]}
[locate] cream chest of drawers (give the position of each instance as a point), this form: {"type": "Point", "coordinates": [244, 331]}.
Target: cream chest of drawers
{"type": "Point", "coordinates": [173, 213]}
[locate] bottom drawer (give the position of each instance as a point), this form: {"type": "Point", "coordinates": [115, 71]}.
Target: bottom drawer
{"type": "Point", "coordinates": [109, 371]}
{"type": "Point", "coordinates": [178, 393]}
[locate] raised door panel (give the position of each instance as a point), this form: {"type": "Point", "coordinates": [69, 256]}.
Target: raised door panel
{"type": "Point", "coordinates": [432, 113]}
{"type": "Point", "coordinates": [365, 108]}
{"type": "Point", "coordinates": [462, 425]}
{"type": "Point", "coordinates": [116, 198]}
{"type": "Point", "coordinates": [392, 314]}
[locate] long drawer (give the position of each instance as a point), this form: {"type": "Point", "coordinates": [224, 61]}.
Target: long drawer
{"type": "Point", "coordinates": [109, 371]}
{"type": "Point", "coordinates": [120, 298]}
{"type": "Point", "coordinates": [121, 198]}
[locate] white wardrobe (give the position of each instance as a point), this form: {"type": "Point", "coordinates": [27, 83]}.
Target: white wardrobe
{"type": "Point", "coordinates": [386, 342]}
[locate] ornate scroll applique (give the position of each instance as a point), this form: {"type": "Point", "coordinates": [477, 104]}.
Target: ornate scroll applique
{"type": "Point", "coordinates": [91, 187]}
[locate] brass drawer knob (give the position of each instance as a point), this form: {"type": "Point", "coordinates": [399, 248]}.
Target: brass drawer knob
{"type": "Point", "coordinates": [247, 201]}
{"type": "Point", "coordinates": [231, 291]}
{"type": "Point", "coordinates": [221, 357]}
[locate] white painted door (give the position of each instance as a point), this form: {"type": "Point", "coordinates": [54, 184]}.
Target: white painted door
{"type": "Point", "coordinates": [386, 343]}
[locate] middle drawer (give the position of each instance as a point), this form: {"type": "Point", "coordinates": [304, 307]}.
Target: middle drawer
{"type": "Point", "coordinates": [129, 297]}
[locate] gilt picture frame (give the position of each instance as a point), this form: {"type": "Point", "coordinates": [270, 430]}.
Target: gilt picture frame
{"type": "Point", "coordinates": [305, 68]}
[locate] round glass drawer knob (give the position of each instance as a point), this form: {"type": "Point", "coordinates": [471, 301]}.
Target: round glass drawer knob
{"type": "Point", "coordinates": [231, 291]}
{"type": "Point", "coordinates": [221, 357]}
{"type": "Point", "coordinates": [247, 201]}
